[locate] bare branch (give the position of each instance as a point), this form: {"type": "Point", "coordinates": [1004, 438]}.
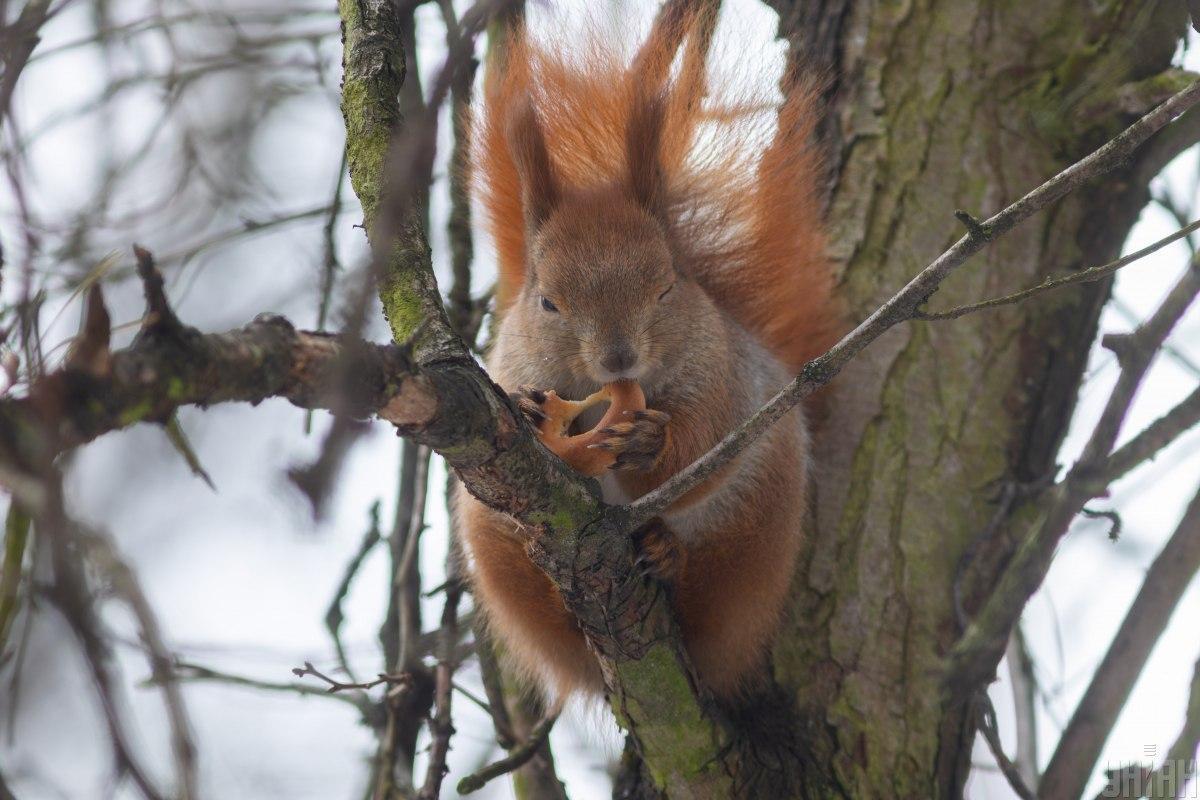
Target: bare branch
{"type": "Point", "coordinates": [19, 41]}
{"type": "Point", "coordinates": [185, 671]}
{"type": "Point", "coordinates": [152, 378]}
{"type": "Point", "coordinates": [493, 687]}
{"type": "Point", "coordinates": [333, 686]}
{"type": "Point", "coordinates": [975, 655]}
{"type": "Point", "coordinates": [1180, 764]}
{"type": "Point", "coordinates": [1169, 781]}
{"type": "Point", "coordinates": [330, 266]}
{"type": "Point", "coordinates": [126, 586]}
{"type": "Point", "coordinates": [1084, 276]}
{"type": "Point", "coordinates": [1165, 147]}
{"type": "Point", "coordinates": [72, 596]}
{"type": "Point", "coordinates": [463, 310]}
{"type": "Point", "coordinates": [986, 720]}
{"type": "Point", "coordinates": [441, 726]}
{"type": "Point", "coordinates": [904, 303]}
{"type": "Point", "coordinates": [1024, 689]}
{"type": "Point", "coordinates": [317, 480]}
{"type": "Point", "coordinates": [1075, 756]}
{"type": "Point", "coordinates": [517, 756]}
{"type": "Point", "coordinates": [334, 616]}
{"type": "Point", "coordinates": [406, 582]}
{"type": "Point", "coordinates": [1153, 438]}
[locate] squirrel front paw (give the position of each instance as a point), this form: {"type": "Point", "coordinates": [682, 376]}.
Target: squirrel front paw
{"type": "Point", "coordinates": [635, 444]}
{"type": "Point", "coordinates": [529, 400]}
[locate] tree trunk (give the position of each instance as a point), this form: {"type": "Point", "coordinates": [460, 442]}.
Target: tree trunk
{"type": "Point", "coordinates": [938, 106]}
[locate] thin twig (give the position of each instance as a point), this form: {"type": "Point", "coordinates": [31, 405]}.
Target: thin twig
{"type": "Point", "coordinates": [1153, 438]}
{"type": "Point", "coordinates": [1169, 576]}
{"type": "Point", "coordinates": [72, 596]}
{"type": "Point", "coordinates": [493, 686]}
{"type": "Point", "coordinates": [334, 616]}
{"type": "Point", "coordinates": [986, 719]}
{"type": "Point", "coordinates": [1084, 276]}
{"type": "Point", "coordinates": [330, 265]}
{"type": "Point", "coordinates": [1025, 691]}
{"type": "Point", "coordinates": [516, 758]}
{"type": "Point", "coordinates": [975, 655]}
{"type": "Point", "coordinates": [332, 685]}
{"type": "Point", "coordinates": [1115, 523]}
{"type": "Point", "coordinates": [186, 671]}
{"type": "Point", "coordinates": [474, 698]}
{"type": "Point", "coordinates": [903, 304]}
{"type": "Point", "coordinates": [441, 726]}
{"type": "Point", "coordinates": [124, 585]}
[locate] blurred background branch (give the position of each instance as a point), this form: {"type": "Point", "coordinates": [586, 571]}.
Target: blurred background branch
{"type": "Point", "coordinates": [211, 132]}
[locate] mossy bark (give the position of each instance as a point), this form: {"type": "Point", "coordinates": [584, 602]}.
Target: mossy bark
{"type": "Point", "coordinates": [933, 106]}
{"type": "Point", "coordinates": [938, 106]}
{"type": "Point", "coordinates": [385, 169]}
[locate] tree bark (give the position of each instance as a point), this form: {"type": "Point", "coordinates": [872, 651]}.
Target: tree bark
{"type": "Point", "coordinates": [936, 107]}
{"type": "Point", "coordinates": [931, 108]}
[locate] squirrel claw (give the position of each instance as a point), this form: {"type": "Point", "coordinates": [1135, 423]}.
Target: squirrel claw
{"type": "Point", "coordinates": [660, 553]}
{"type": "Point", "coordinates": [637, 444]}
{"type": "Point", "coordinates": [528, 401]}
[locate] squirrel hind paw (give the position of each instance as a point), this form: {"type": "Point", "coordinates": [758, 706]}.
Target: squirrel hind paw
{"type": "Point", "coordinates": [660, 552]}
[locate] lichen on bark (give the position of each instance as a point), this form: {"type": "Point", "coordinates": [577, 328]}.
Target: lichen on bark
{"type": "Point", "coordinates": [940, 107]}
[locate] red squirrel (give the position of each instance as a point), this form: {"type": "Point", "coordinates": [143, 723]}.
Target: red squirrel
{"type": "Point", "coordinates": [647, 232]}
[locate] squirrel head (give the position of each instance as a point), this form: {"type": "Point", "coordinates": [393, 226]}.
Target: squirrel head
{"type": "Point", "coordinates": [601, 290]}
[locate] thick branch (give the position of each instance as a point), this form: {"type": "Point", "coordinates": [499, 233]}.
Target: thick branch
{"type": "Point", "coordinates": [148, 381]}
{"type": "Point", "coordinates": [589, 556]}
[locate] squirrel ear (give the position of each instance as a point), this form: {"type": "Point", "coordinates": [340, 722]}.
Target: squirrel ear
{"type": "Point", "coordinates": [643, 137]}
{"type": "Point", "coordinates": [539, 189]}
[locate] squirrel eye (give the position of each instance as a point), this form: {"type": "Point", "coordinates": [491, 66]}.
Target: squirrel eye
{"type": "Point", "coordinates": [547, 305]}
{"type": "Point", "coordinates": [666, 291]}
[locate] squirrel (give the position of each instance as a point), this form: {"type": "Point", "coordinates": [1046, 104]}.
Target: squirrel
{"type": "Point", "coordinates": [641, 236]}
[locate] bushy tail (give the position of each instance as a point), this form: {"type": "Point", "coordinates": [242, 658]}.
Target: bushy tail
{"type": "Point", "coordinates": [740, 174]}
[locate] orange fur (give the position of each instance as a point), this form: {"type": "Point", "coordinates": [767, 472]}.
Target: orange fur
{"type": "Point", "coordinates": [580, 157]}
{"type": "Point", "coordinates": [747, 224]}
{"type": "Point", "coordinates": [524, 608]}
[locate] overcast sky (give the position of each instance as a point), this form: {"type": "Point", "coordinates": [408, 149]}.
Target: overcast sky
{"type": "Point", "coordinates": [241, 578]}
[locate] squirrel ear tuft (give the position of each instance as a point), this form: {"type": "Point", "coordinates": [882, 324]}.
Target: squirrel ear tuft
{"type": "Point", "coordinates": [539, 189]}
{"type": "Point", "coordinates": [643, 138]}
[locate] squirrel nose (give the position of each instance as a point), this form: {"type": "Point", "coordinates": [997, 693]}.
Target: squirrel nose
{"type": "Point", "coordinates": [619, 359]}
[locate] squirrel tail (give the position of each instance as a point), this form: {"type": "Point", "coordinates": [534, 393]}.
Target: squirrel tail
{"type": "Point", "coordinates": [739, 170]}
